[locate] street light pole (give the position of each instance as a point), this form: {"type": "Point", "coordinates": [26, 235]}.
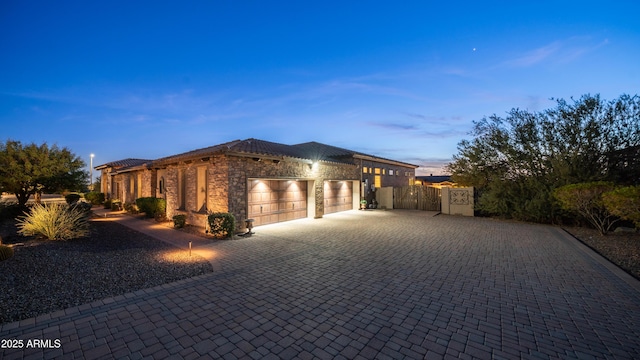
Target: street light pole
{"type": "Point", "coordinates": [91, 171]}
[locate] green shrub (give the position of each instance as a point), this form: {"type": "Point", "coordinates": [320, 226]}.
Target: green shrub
{"type": "Point", "coordinates": [116, 205]}
{"type": "Point", "coordinates": [151, 206]}
{"type": "Point", "coordinates": [54, 222]}
{"type": "Point", "coordinates": [624, 202]}
{"type": "Point", "coordinates": [179, 221]}
{"type": "Point", "coordinates": [585, 199]}
{"type": "Point", "coordinates": [131, 208]}
{"type": "Point", "coordinates": [222, 225]}
{"type": "Point", "coordinates": [95, 198]}
{"type": "Point", "coordinates": [5, 252]}
{"type": "Point", "coordinates": [72, 198]}
{"type": "Point", "coordinates": [81, 206]}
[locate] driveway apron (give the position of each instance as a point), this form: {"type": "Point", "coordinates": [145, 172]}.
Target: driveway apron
{"type": "Point", "coordinates": [363, 285]}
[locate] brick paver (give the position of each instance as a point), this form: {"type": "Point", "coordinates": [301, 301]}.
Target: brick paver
{"type": "Point", "coordinates": [367, 284]}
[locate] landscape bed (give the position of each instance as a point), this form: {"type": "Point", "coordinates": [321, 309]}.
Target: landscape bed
{"type": "Point", "coordinates": [46, 276]}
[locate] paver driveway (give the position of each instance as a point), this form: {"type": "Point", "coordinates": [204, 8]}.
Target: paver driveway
{"type": "Point", "coordinates": [368, 284]}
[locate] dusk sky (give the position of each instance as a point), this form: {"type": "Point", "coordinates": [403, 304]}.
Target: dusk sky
{"type": "Point", "coordinates": [402, 80]}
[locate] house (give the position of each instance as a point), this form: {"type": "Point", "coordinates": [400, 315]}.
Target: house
{"type": "Point", "coordinates": [438, 181]}
{"type": "Point", "coordinates": [261, 180]}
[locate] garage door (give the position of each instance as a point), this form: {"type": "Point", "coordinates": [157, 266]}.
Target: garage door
{"type": "Point", "coordinates": [272, 201]}
{"type": "Point", "coordinates": [337, 196]}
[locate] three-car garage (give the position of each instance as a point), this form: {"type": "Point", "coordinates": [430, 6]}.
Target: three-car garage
{"type": "Point", "coordinates": [275, 200]}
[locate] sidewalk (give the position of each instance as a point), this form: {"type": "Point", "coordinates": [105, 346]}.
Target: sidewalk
{"type": "Point", "coordinates": [200, 246]}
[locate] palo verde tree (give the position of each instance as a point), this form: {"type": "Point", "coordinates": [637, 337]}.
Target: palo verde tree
{"type": "Point", "coordinates": [32, 169]}
{"type": "Point", "coordinates": [515, 162]}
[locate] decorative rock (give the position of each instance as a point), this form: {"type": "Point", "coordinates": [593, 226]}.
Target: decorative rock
{"type": "Point", "coordinates": [623, 229]}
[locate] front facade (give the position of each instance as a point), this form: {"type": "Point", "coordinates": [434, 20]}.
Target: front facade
{"type": "Point", "coordinates": [255, 179]}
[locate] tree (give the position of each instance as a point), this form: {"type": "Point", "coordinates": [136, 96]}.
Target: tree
{"type": "Point", "coordinates": [32, 169]}
{"type": "Point", "coordinates": [517, 161]}
{"type": "Point", "coordinates": [586, 200]}
{"type": "Point", "coordinates": [624, 202]}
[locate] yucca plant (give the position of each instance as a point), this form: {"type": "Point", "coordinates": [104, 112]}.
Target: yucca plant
{"type": "Point", "coordinates": [55, 222]}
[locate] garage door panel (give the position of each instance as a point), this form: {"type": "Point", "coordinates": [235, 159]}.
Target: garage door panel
{"type": "Point", "coordinates": [272, 201]}
{"type": "Point", "coordinates": [338, 196]}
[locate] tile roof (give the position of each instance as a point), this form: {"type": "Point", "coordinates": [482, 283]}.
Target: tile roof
{"type": "Point", "coordinates": [216, 149]}
{"type": "Point", "coordinates": [311, 151]}
{"type": "Point", "coordinates": [125, 163]}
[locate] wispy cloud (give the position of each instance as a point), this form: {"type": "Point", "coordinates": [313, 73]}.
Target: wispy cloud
{"type": "Point", "coordinates": [560, 51]}
{"type": "Point", "coordinates": [394, 126]}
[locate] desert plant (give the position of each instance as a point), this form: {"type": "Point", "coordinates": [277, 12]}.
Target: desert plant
{"type": "Point", "coordinates": [82, 206]}
{"type": "Point", "coordinates": [151, 206]}
{"type": "Point", "coordinates": [624, 202]}
{"type": "Point", "coordinates": [72, 198]}
{"type": "Point", "coordinates": [222, 225]}
{"type": "Point", "coordinates": [54, 222]}
{"type": "Point", "coordinates": [585, 199]}
{"type": "Point", "coordinates": [95, 198]}
{"type": "Point", "coordinates": [179, 221]}
{"type": "Point", "coordinates": [131, 208]}
{"type": "Point", "coordinates": [116, 205]}
{"type": "Point", "coordinates": [5, 252]}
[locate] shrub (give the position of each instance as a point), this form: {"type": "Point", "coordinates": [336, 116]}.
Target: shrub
{"type": "Point", "coordinates": [116, 205]}
{"type": "Point", "coordinates": [179, 221]}
{"type": "Point", "coordinates": [131, 208]}
{"type": "Point", "coordinates": [81, 206]}
{"type": "Point", "coordinates": [151, 206]}
{"type": "Point", "coordinates": [95, 198]}
{"type": "Point", "coordinates": [72, 198]}
{"type": "Point", "coordinates": [222, 225]}
{"type": "Point", "coordinates": [5, 252]}
{"type": "Point", "coordinates": [586, 199]}
{"type": "Point", "coordinates": [54, 222]}
{"type": "Point", "coordinates": [624, 202]}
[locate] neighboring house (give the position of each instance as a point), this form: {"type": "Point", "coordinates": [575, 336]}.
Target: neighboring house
{"type": "Point", "coordinates": [438, 181]}
{"type": "Point", "coordinates": [265, 181]}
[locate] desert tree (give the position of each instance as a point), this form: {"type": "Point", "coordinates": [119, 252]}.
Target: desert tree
{"type": "Point", "coordinates": [32, 169]}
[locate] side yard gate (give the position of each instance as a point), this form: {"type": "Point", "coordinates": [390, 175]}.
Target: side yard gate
{"type": "Point", "coordinates": [453, 201]}
{"type": "Point", "coordinates": [417, 197]}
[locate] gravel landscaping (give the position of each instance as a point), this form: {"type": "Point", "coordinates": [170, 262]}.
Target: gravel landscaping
{"type": "Point", "coordinates": [622, 249]}
{"type": "Point", "coordinates": [45, 276]}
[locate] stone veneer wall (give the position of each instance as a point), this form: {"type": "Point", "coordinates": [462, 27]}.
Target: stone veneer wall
{"type": "Point", "coordinates": [227, 178]}
{"type": "Point", "coordinates": [241, 169]}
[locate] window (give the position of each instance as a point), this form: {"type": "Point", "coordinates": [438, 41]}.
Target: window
{"type": "Point", "coordinates": [377, 171]}
{"type": "Point", "coordinates": [391, 172]}
{"type": "Point", "coordinates": [378, 181]}
{"type": "Point", "coordinates": [364, 169]}
{"type": "Point", "coordinates": [161, 185]}
{"type": "Point", "coordinates": [384, 171]}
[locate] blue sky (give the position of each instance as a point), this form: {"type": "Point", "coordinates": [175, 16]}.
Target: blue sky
{"type": "Point", "coordinates": [402, 80]}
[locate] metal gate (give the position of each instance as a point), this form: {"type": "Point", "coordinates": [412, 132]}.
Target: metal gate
{"type": "Point", "coordinates": [417, 197]}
